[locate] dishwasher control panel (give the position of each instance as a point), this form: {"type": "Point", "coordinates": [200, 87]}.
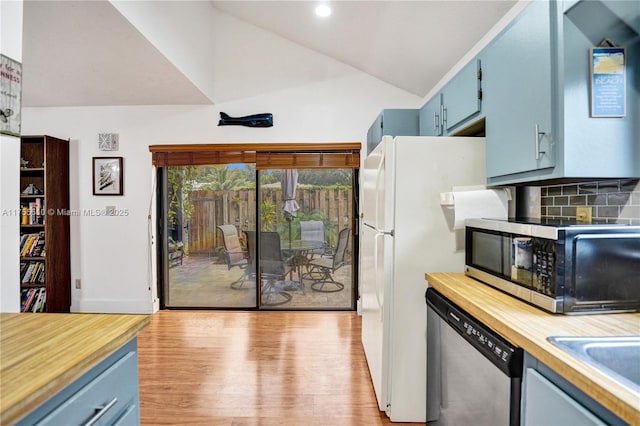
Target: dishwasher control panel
{"type": "Point", "coordinates": [494, 347]}
{"type": "Point", "coordinates": [482, 338]}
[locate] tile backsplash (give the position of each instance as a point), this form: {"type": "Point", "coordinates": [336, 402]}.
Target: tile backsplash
{"type": "Point", "coordinates": [612, 201]}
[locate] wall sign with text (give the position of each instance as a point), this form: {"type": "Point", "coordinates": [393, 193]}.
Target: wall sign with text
{"type": "Point", "coordinates": [10, 95]}
{"type": "Point", "coordinates": [608, 82]}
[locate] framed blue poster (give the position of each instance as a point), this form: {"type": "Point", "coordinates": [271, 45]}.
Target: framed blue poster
{"type": "Point", "coordinates": [608, 82]}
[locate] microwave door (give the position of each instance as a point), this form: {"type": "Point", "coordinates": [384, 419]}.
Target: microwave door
{"type": "Point", "coordinates": [490, 252]}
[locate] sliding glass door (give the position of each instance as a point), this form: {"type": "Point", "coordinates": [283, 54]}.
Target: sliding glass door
{"type": "Point", "coordinates": [206, 260]}
{"type": "Point", "coordinates": [247, 228]}
{"type": "Point", "coordinates": [302, 215]}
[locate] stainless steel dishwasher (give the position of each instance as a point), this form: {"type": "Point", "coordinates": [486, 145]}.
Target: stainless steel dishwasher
{"type": "Point", "coordinates": [473, 375]}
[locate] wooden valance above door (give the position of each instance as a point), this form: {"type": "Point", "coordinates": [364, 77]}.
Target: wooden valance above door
{"type": "Point", "coordinates": [265, 156]}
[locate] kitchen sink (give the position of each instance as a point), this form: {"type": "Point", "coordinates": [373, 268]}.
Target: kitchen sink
{"type": "Point", "coordinates": [619, 357]}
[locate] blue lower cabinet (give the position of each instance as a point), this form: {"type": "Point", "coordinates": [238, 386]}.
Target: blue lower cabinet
{"type": "Point", "coordinates": [131, 416]}
{"type": "Point", "coordinates": [550, 400]}
{"type": "Point", "coordinates": [106, 395]}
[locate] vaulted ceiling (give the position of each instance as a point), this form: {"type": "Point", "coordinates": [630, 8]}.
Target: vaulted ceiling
{"type": "Point", "coordinates": [86, 53]}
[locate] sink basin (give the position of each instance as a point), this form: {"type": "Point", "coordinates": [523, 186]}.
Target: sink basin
{"type": "Point", "coordinates": [619, 357]}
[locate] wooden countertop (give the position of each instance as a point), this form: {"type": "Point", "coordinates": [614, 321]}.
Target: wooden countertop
{"type": "Point", "coordinates": [528, 327]}
{"type": "Point", "coordinates": [40, 354]}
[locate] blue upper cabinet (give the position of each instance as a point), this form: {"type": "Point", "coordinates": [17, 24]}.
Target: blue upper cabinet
{"type": "Point", "coordinates": [517, 95]}
{"type": "Point", "coordinates": [537, 95]}
{"type": "Point", "coordinates": [392, 122]}
{"type": "Point", "coordinates": [462, 97]}
{"type": "Point", "coordinates": [598, 146]}
{"type": "Point", "coordinates": [456, 106]}
{"type": "Point", "coordinates": [430, 117]}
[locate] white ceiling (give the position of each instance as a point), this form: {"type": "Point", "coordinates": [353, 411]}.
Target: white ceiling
{"type": "Point", "coordinates": [79, 53]}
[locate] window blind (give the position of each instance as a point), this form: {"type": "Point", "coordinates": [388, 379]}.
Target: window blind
{"type": "Point", "coordinates": [265, 156]}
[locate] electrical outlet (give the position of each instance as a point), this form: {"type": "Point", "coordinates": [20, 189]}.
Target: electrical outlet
{"type": "Point", "coordinates": [78, 286]}
{"type": "Point", "coordinates": [583, 214]}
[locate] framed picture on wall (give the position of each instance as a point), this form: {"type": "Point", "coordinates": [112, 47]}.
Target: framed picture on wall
{"type": "Point", "coordinates": [107, 176]}
{"type": "Point", "coordinates": [608, 82]}
{"type": "Point", "coordinates": [10, 95]}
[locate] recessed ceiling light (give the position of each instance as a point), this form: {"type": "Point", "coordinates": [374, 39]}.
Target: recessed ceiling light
{"type": "Point", "coordinates": [323, 10]}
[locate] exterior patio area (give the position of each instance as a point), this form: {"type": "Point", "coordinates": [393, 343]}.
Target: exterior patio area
{"type": "Point", "coordinates": [203, 282]}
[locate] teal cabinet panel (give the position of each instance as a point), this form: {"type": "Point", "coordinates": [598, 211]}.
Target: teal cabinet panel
{"type": "Point", "coordinates": [461, 96]}
{"type": "Point", "coordinates": [430, 117]}
{"type": "Point", "coordinates": [549, 399]}
{"type": "Point", "coordinates": [131, 416]}
{"type": "Point", "coordinates": [374, 134]}
{"type": "Point", "coordinates": [108, 394]}
{"type": "Point", "coordinates": [600, 146]}
{"type": "Point", "coordinates": [517, 95]}
{"type": "Point", "coordinates": [458, 104]}
{"type": "Point", "coordinates": [537, 95]}
{"type": "Point", "coordinates": [393, 122]}
{"type": "Point", "coordinates": [546, 404]}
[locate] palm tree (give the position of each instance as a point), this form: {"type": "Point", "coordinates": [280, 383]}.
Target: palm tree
{"type": "Point", "coordinates": [268, 216]}
{"type": "Point", "coordinates": [222, 178]}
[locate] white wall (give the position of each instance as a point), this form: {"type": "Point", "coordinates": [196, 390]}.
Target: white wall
{"type": "Point", "coordinates": [185, 32]}
{"type": "Point", "coordinates": [110, 254]}
{"type": "Point", "coordinates": [11, 36]}
{"type": "Point", "coordinates": [477, 48]}
{"type": "Point", "coordinates": [202, 41]}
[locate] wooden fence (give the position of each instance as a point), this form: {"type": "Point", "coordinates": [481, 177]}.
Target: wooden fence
{"type": "Point", "coordinates": [213, 208]}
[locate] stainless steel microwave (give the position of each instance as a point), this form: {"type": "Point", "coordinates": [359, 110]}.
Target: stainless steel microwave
{"type": "Point", "coordinates": [560, 267]}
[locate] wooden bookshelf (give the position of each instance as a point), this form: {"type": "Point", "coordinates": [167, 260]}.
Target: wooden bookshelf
{"type": "Point", "coordinates": [44, 199]}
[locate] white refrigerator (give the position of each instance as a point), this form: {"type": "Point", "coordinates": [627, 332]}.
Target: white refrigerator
{"type": "Point", "coordinates": [405, 233]}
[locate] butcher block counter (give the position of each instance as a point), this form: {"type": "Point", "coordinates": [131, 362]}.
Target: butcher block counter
{"type": "Point", "coordinates": [528, 327]}
{"type": "Point", "coordinates": [41, 354]}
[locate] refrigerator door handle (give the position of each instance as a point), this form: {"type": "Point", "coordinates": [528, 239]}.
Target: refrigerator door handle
{"type": "Point", "coordinates": [375, 269]}
{"type": "Point", "coordinates": [380, 167]}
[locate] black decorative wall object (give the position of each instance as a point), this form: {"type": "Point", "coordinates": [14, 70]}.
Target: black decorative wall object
{"type": "Point", "coordinates": [255, 120]}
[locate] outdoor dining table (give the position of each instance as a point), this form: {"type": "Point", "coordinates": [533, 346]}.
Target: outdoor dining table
{"type": "Point", "coordinates": [297, 251]}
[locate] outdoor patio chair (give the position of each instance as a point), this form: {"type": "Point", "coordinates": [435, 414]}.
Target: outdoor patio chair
{"type": "Point", "coordinates": [234, 254]}
{"type": "Point", "coordinates": [313, 230]}
{"type": "Point", "coordinates": [324, 267]}
{"type": "Point", "coordinates": [274, 268]}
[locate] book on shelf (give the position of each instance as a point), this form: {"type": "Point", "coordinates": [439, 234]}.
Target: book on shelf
{"type": "Point", "coordinates": [38, 274]}
{"type": "Point", "coordinates": [32, 245]}
{"type": "Point", "coordinates": [33, 272]}
{"type": "Point", "coordinates": [25, 244]}
{"type": "Point", "coordinates": [33, 300]}
{"type": "Point", "coordinates": [38, 248]}
{"type": "Point", "coordinates": [27, 295]}
{"type": "Point", "coordinates": [32, 214]}
{"type": "Point", "coordinates": [38, 305]}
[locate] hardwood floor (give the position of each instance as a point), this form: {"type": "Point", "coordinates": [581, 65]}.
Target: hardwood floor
{"type": "Point", "coordinates": [255, 368]}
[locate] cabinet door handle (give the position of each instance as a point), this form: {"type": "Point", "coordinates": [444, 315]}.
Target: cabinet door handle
{"type": "Point", "coordinates": [537, 146]}
{"type": "Point", "coordinates": [442, 119]}
{"type": "Point", "coordinates": [101, 411]}
{"type": "Point", "coordinates": [436, 121]}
